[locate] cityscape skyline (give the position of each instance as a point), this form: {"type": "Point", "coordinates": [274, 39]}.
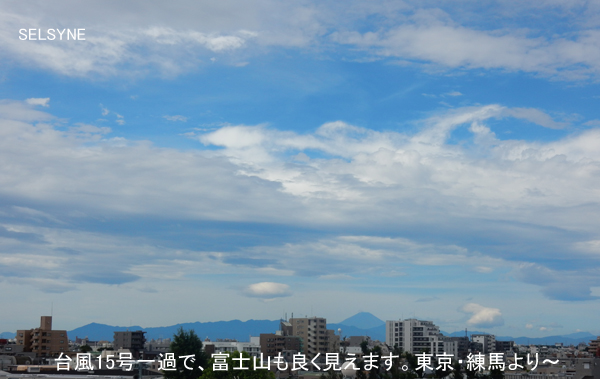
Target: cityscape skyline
{"type": "Point", "coordinates": [250, 159]}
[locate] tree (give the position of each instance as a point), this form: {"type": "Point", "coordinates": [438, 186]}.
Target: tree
{"type": "Point", "coordinates": [457, 373]}
{"type": "Point", "coordinates": [413, 364]}
{"type": "Point", "coordinates": [364, 346]}
{"type": "Point", "coordinates": [186, 343]}
{"type": "Point", "coordinates": [85, 348]}
{"type": "Point", "coordinates": [471, 374]}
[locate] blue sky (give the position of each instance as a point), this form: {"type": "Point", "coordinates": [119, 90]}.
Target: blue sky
{"type": "Point", "coordinates": [247, 159]}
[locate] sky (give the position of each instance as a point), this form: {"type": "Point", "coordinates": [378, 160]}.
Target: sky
{"type": "Point", "coordinates": [206, 161]}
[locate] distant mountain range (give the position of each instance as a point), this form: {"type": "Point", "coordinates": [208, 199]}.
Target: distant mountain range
{"type": "Point", "coordinates": [361, 324]}
{"type": "Point", "coordinates": [234, 329]}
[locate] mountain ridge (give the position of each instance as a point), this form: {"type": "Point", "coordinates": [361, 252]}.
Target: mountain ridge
{"type": "Point", "coordinates": [357, 325]}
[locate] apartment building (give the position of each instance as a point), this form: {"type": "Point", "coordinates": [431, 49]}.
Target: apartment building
{"type": "Point", "coordinates": [133, 341]}
{"type": "Point", "coordinates": [416, 336]}
{"type": "Point", "coordinates": [272, 344]}
{"type": "Point", "coordinates": [314, 335]}
{"type": "Point", "coordinates": [488, 341]}
{"type": "Point", "coordinates": [43, 341]}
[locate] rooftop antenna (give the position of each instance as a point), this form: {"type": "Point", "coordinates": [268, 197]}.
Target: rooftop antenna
{"type": "Point", "coordinates": [51, 309]}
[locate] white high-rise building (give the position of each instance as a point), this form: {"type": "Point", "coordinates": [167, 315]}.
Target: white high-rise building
{"type": "Point", "coordinates": [487, 341]}
{"type": "Point", "coordinates": [416, 336]}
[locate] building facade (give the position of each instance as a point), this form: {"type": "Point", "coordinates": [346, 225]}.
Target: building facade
{"type": "Point", "coordinates": [253, 348]}
{"type": "Point", "coordinates": [416, 336]}
{"type": "Point", "coordinates": [43, 341]}
{"type": "Point", "coordinates": [133, 341]}
{"type": "Point", "coordinates": [488, 341]}
{"type": "Point", "coordinates": [314, 336]}
{"type": "Point", "coordinates": [274, 343]}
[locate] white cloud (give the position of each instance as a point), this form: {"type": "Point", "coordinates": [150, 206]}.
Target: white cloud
{"type": "Point", "coordinates": [431, 37]}
{"type": "Point", "coordinates": [119, 118]}
{"type": "Point", "coordinates": [593, 123]}
{"type": "Point", "coordinates": [176, 118]}
{"type": "Point", "coordinates": [537, 117]}
{"type": "Point", "coordinates": [267, 290]}
{"type": "Point", "coordinates": [529, 326]}
{"type": "Point", "coordinates": [482, 316]}
{"type": "Point", "coordinates": [44, 102]}
{"type": "Point", "coordinates": [168, 40]}
{"type": "Point", "coordinates": [374, 182]}
{"type": "Point", "coordinates": [179, 39]}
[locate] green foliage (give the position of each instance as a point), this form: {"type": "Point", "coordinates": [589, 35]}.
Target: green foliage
{"type": "Point", "coordinates": [364, 347]}
{"type": "Point", "coordinates": [439, 374]}
{"type": "Point", "coordinates": [413, 364]}
{"type": "Point", "coordinates": [235, 360]}
{"type": "Point", "coordinates": [85, 348]}
{"type": "Point", "coordinates": [186, 343]}
{"type": "Point", "coordinates": [471, 374]}
{"type": "Point", "coordinates": [457, 373]}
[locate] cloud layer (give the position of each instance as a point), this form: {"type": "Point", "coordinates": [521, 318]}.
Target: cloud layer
{"type": "Point", "coordinates": [149, 37]}
{"type": "Point", "coordinates": [528, 208]}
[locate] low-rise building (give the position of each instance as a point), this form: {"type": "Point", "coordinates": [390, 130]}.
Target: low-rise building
{"type": "Point", "coordinates": [253, 347]}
